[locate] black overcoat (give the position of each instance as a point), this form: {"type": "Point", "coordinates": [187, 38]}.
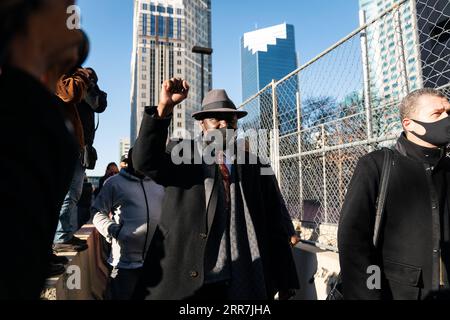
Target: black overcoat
{"type": "Point", "coordinates": [174, 268]}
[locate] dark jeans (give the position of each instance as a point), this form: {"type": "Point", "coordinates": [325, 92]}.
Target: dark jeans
{"type": "Point", "coordinates": [122, 283]}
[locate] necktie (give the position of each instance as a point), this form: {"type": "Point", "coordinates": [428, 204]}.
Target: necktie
{"type": "Point", "coordinates": [226, 178]}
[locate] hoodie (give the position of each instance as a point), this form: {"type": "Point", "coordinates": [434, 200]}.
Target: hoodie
{"type": "Point", "coordinates": [135, 205]}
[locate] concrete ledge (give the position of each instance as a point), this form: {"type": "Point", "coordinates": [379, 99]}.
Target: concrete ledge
{"type": "Point", "coordinates": [317, 271]}
{"type": "Point", "coordinates": [86, 274]}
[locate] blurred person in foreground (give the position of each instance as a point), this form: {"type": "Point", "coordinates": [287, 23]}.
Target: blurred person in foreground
{"type": "Point", "coordinates": [34, 39]}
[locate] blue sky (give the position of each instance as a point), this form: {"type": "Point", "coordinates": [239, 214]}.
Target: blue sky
{"type": "Point", "coordinates": [109, 24]}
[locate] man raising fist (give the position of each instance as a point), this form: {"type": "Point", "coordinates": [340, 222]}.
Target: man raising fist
{"type": "Point", "coordinates": [221, 234]}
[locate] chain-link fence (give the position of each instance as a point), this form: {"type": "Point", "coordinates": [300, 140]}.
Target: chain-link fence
{"type": "Point", "coordinates": [344, 104]}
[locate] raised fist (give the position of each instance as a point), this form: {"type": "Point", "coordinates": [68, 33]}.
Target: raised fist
{"type": "Point", "coordinates": [173, 92]}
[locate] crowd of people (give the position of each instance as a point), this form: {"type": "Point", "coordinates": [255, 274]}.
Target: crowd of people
{"type": "Point", "coordinates": [215, 230]}
{"type": "Point", "coordinates": [49, 101]}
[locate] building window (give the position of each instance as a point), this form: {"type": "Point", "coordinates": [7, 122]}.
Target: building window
{"type": "Point", "coordinates": [152, 72]}
{"type": "Point", "coordinates": [171, 59]}
{"type": "Point", "coordinates": [179, 29]}
{"type": "Point", "coordinates": [179, 11]}
{"type": "Point", "coordinates": [144, 24]}
{"type": "Point", "coordinates": [152, 8]}
{"type": "Point", "coordinates": [161, 26]}
{"type": "Point", "coordinates": [161, 60]}
{"type": "Point", "coordinates": [153, 25]}
{"type": "Point", "coordinates": [144, 6]}
{"type": "Point", "coordinates": [170, 10]}
{"type": "Point", "coordinates": [179, 125]}
{"type": "Point", "coordinates": [170, 31]}
{"type": "Point", "coordinates": [161, 9]}
{"type": "Point", "coordinates": [179, 62]}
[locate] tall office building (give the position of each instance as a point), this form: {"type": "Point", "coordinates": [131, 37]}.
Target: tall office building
{"type": "Point", "coordinates": [164, 33]}
{"type": "Point", "coordinates": [422, 61]}
{"type": "Point", "coordinates": [124, 147]}
{"type": "Point", "coordinates": [269, 54]}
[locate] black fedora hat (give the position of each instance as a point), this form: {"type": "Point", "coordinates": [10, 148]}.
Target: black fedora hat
{"type": "Point", "coordinates": [217, 101]}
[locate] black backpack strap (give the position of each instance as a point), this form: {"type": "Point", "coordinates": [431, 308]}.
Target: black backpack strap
{"type": "Point", "coordinates": [382, 193]}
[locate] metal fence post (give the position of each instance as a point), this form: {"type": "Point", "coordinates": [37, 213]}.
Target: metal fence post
{"type": "Point", "coordinates": [398, 24]}
{"type": "Point", "coordinates": [324, 175]}
{"type": "Point", "coordinates": [366, 74]}
{"type": "Point", "coordinates": [413, 4]}
{"type": "Point", "coordinates": [299, 139]}
{"type": "Point", "coordinates": [276, 137]}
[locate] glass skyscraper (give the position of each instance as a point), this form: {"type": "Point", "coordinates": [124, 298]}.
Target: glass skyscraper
{"type": "Point", "coordinates": [269, 54]}
{"type": "Point", "coordinates": [164, 33]}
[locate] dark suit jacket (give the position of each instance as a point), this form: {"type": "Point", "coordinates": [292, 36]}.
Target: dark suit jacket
{"type": "Point", "coordinates": [174, 268]}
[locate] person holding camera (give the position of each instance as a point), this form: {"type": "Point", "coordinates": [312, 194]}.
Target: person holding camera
{"type": "Point", "coordinates": [94, 103]}
{"type": "Point", "coordinates": [83, 98]}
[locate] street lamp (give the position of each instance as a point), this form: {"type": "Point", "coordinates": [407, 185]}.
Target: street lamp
{"type": "Point", "coordinates": [202, 51]}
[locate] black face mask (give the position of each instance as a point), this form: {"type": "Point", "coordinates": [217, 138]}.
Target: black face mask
{"type": "Point", "coordinates": [437, 133]}
{"type": "Point", "coordinates": [228, 138]}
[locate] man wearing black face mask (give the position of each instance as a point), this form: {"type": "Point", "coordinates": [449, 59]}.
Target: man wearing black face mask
{"type": "Point", "coordinates": [413, 250]}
